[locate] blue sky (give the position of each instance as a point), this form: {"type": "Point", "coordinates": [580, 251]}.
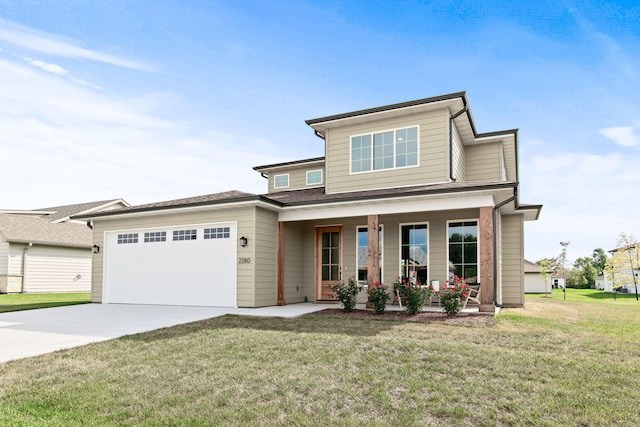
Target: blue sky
{"type": "Point", "coordinates": [151, 101]}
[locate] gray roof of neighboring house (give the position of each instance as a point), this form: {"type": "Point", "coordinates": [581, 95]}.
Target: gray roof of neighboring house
{"type": "Point", "coordinates": [69, 210]}
{"type": "Point", "coordinates": [531, 267]}
{"type": "Point", "coordinates": [21, 229]}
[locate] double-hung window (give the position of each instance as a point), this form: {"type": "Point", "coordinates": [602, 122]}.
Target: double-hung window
{"type": "Point", "coordinates": [281, 181]}
{"type": "Point", "coordinates": [391, 149]}
{"type": "Point", "coordinates": [463, 250]}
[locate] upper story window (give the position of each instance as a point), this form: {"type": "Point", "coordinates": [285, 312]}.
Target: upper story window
{"type": "Point", "coordinates": [281, 181]}
{"type": "Point", "coordinates": [396, 148]}
{"type": "Point", "coordinates": [314, 177]}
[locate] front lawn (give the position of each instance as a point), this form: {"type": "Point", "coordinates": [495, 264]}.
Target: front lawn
{"type": "Point", "coordinates": [550, 363]}
{"type": "Point", "coordinates": [16, 302]}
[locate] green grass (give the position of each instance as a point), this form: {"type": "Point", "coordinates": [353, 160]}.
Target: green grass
{"type": "Point", "coordinates": [588, 295]}
{"type": "Point", "coordinates": [16, 302]}
{"type": "Point", "coordinates": [549, 363]}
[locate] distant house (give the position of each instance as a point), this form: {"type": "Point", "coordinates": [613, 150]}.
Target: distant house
{"type": "Point", "coordinates": [410, 188]}
{"type": "Point", "coordinates": [534, 283]}
{"type": "Point", "coordinates": [600, 282]}
{"type": "Point", "coordinates": [44, 250]}
{"type": "Point", "coordinates": [622, 280]}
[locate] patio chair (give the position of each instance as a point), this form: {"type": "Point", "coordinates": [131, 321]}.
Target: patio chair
{"type": "Point", "coordinates": [473, 295]}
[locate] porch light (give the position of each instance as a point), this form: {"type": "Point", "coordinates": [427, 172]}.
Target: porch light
{"type": "Point", "coordinates": [243, 241]}
{"type": "Point", "coordinates": [96, 249]}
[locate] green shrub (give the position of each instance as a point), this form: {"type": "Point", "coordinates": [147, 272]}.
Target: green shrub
{"type": "Point", "coordinates": [347, 293]}
{"type": "Point", "coordinates": [378, 297]}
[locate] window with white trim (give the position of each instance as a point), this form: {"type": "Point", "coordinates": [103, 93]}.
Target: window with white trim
{"type": "Point", "coordinates": [391, 149]}
{"type": "Point", "coordinates": [185, 234]}
{"type": "Point", "coordinates": [281, 181]}
{"type": "Point", "coordinates": [414, 252]}
{"type": "Point", "coordinates": [314, 177]}
{"type": "Point", "coordinates": [155, 236]}
{"type": "Point", "coordinates": [363, 252]}
{"type": "Point", "coordinates": [127, 238]}
{"type": "Point", "coordinates": [217, 233]}
{"type": "Point", "coordinates": [463, 250]}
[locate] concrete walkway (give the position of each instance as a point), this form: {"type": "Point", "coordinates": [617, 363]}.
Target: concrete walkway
{"type": "Point", "coordinates": [33, 332]}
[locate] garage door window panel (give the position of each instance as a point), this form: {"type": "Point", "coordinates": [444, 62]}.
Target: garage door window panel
{"type": "Point", "coordinates": [185, 235]}
{"type": "Point", "coordinates": [127, 238]}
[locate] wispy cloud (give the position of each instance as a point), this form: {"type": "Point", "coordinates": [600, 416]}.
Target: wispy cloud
{"type": "Point", "coordinates": [623, 136]}
{"type": "Point", "coordinates": [50, 44]}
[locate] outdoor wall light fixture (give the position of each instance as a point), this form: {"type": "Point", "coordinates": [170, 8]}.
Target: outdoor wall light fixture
{"type": "Point", "coordinates": [243, 241]}
{"type": "Point", "coordinates": [96, 249]}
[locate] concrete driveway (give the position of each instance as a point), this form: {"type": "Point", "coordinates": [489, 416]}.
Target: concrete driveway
{"type": "Point", "coordinates": [33, 332]}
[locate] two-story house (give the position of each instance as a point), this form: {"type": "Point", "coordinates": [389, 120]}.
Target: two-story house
{"type": "Point", "coordinates": [403, 189]}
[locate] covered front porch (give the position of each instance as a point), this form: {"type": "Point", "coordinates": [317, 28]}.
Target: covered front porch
{"type": "Point", "coordinates": [433, 245]}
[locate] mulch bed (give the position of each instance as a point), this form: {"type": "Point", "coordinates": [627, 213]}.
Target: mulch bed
{"type": "Point", "coordinates": [473, 319]}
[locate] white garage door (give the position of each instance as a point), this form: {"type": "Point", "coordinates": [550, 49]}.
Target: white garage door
{"type": "Point", "coordinates": [186, 265]}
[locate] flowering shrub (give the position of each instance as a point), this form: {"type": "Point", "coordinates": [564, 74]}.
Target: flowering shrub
{"type": "Point", "coordinates": [452, 294]}
{"type": "Point", "coordinates": [347, 293]}
{"type": "Point", "coordinates": [378, 297]}
{"type": "Point", "coordinates": [412, 293]}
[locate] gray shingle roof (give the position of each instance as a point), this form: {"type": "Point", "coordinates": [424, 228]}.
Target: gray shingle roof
{"type": "Point", "coordinates": [21, 229]}
{"type": "Point", "coordinates": [69, 210]}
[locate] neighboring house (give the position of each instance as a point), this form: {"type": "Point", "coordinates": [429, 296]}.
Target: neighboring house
{"type": "Point", "coordinates": [626, 272]}
{"type": "Point", "coordinates": [600, 282]}
{"type": "Point", "coordinates": [44, 250]}
{"type": "Point", "coordinates": [534, 283]}
{"type": "Point", "coordinates": [558, 280]}
{"type": "Point", "coordinates": [413, 185]}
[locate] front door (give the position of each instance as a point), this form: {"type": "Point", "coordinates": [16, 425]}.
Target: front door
{"type": "Point", "coordinates": [328, 261]}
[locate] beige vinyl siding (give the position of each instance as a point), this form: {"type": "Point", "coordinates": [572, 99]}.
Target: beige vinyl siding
{"type": "Point", "coordinates": [57, 269]}
{"type": "Point", "coordinates": [433, 154]}
{"type": "Point", "coordinates": [266, 258]}
{"type": "Point", "coordinates": [297, 177]}
{"type": "Point", "coordinates": [296, 287]}
{"type": "Point", "coordinates": [458, 156]}
{"type": "Point", "coordinates": [483, 162]}
{"type": "Point", "coordinates": [509, 148]}
{"type": "Point", "coordinates": [512, 261]}
{"type": "Point", "coordinates": [4, 256]}
{"type": "Point", "coordinates": [245, 218]}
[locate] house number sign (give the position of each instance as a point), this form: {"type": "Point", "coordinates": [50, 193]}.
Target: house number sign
{"type": "Point", "coordinates": [244, 260]}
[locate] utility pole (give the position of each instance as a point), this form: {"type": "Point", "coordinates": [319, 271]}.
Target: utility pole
{"type": "Point", "coordinates": [563, 258]}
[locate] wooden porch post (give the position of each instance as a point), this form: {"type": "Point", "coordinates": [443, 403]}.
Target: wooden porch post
{"type": "Point", "coordinates": [487, 280]}
{"type": "Point", "coordinates": [373, 264]}
{"type": "Point", "coordinates": [281, 300]}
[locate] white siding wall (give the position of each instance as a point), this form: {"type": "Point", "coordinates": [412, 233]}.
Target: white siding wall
{"type": "Point", "coordinates": [534, 284]}
{"type": "Point", "coordinates": [56, 269]}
